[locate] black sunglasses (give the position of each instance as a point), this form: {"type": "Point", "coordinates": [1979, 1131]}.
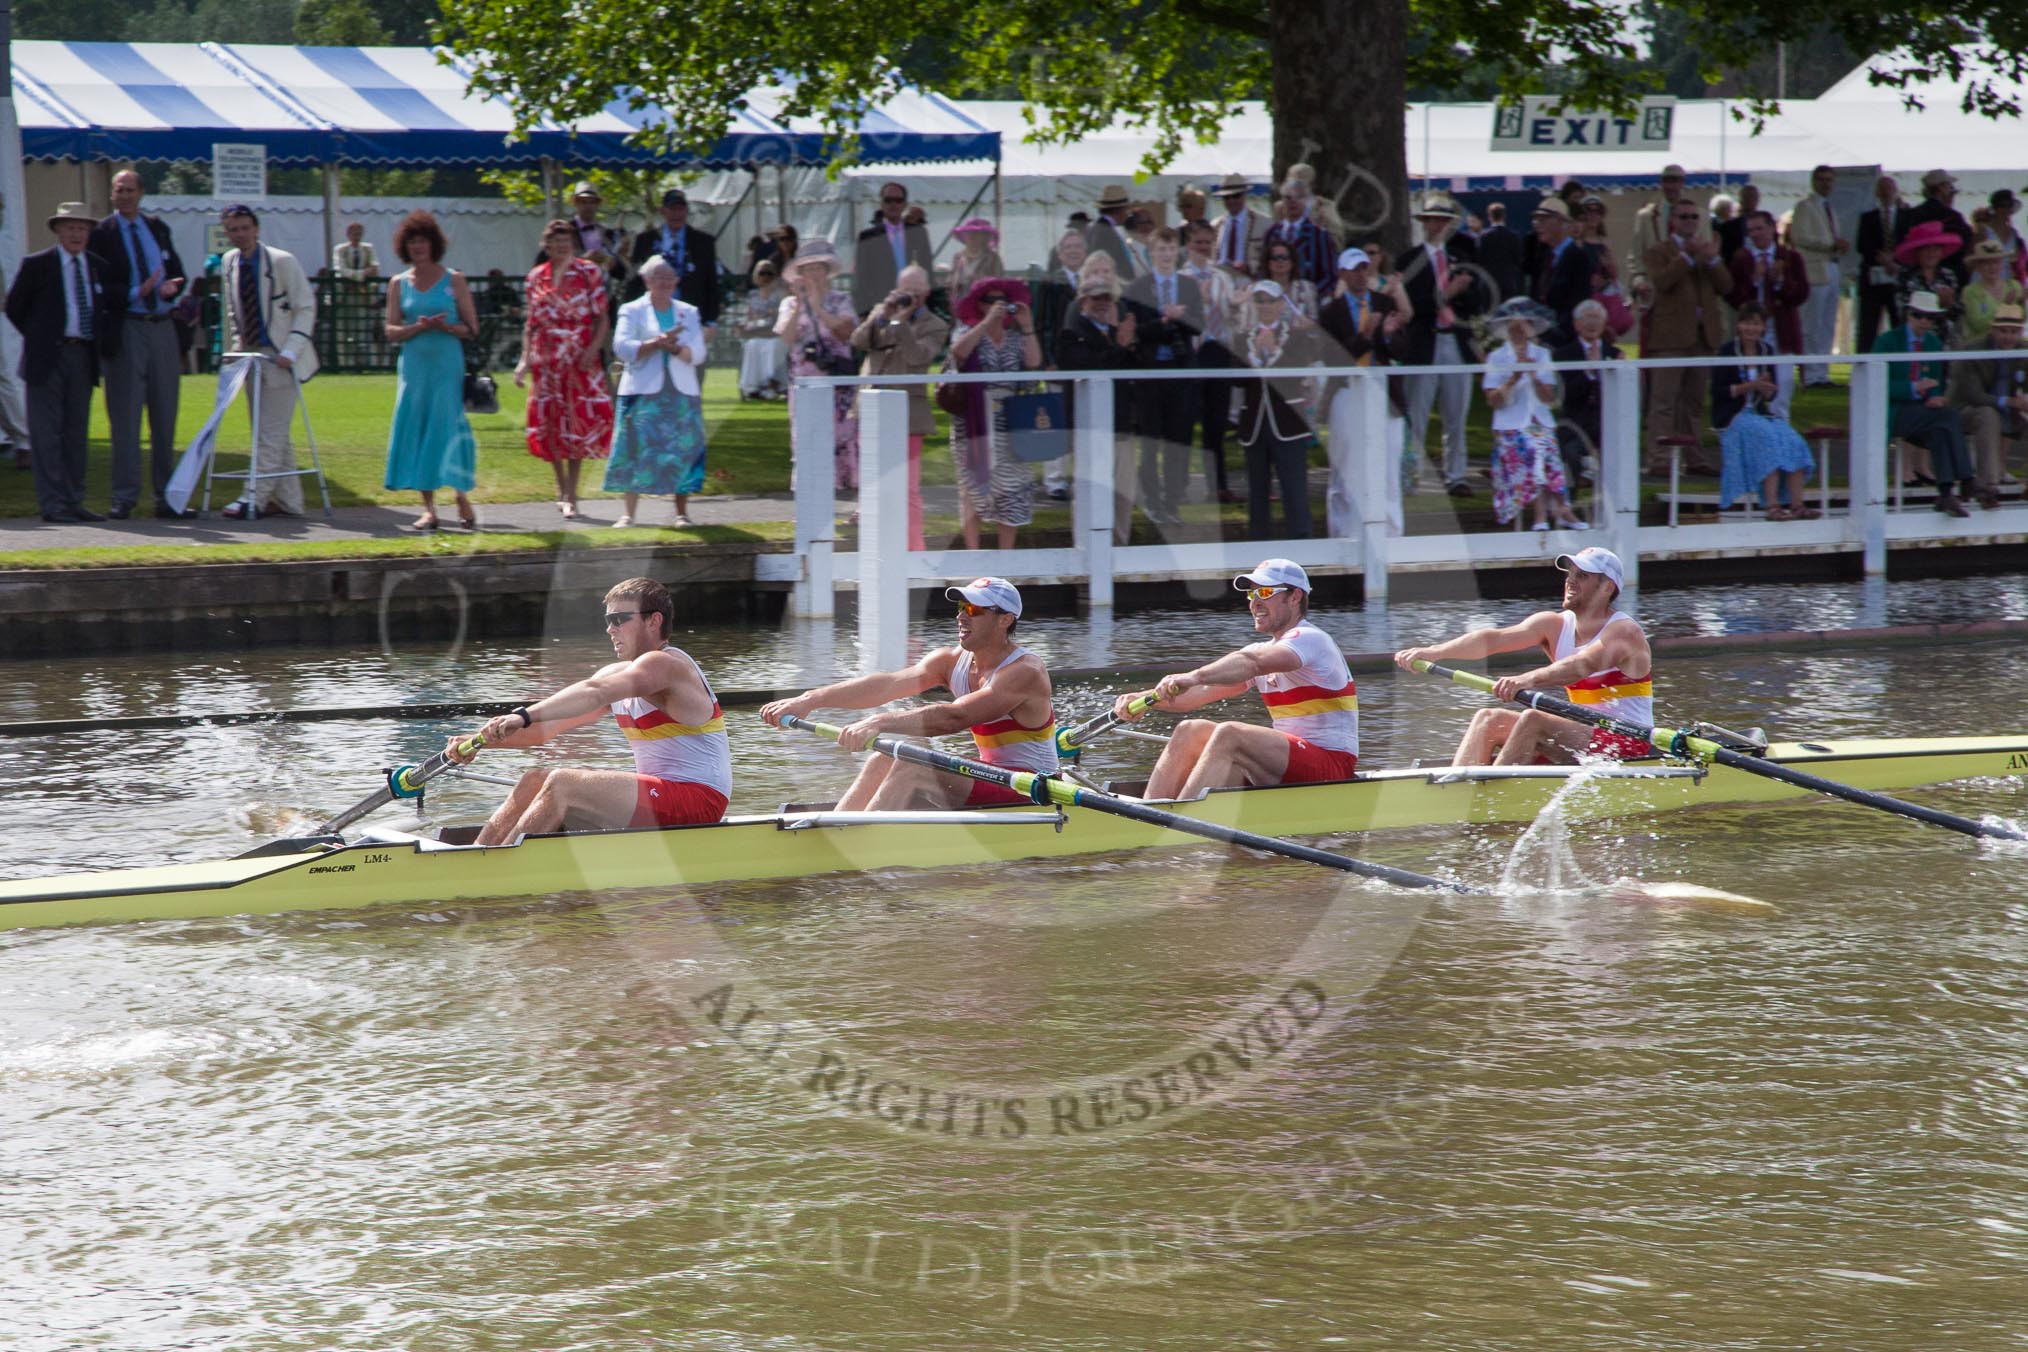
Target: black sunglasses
{"type": "Point", "coordinates": [616, 619]}
{"type": "Point", "coordinates": [890, 201]}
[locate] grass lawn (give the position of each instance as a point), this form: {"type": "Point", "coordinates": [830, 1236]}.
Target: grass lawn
{"type": "Point", "coordinates": [749, 446]}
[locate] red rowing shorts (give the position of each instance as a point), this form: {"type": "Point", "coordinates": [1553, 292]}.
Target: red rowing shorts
{"type": "Point", "coordinates": [1311, 764]}
{"type": "Point", "coordinates": [984, 794]}
{"type": "Point", "coordinates": [675, 802]}
{"type": "Point", "coordinates": [1616, 746]}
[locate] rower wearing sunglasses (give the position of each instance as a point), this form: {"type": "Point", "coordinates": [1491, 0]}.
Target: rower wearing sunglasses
{"type": "Point", "coordinates": [999, 693]}
{"type": "Point", "coordinates": [1301, 676]}
{"type": "Point", "coordinates": [667, 712]}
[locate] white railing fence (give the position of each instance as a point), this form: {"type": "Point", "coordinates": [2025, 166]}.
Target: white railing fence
{"type": "Point", "coordinates": [884, 568]}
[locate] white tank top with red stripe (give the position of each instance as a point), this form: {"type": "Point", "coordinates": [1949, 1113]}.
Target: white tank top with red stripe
{"type": "Point", "coordinates": [691, 753]}
{"type": "Point", "coordinates": [1007, 742]}
{"type": "Point", "coordinates": [1317, 701]}
{"type": "Point", "coordinates": [1611, 692]}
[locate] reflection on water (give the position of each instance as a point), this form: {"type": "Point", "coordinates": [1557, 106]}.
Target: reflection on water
{"type": "Point", "coordinates": [1258, 1106]}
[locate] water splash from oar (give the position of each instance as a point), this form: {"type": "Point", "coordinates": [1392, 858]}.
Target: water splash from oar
{"type": "Point", "coordinates": [1544, 860]}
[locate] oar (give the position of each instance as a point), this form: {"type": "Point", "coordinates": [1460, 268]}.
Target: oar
{"type": "Point", "coordinates": [403, 781]}
{"type": "Point", "coordinates": [1677, 742]}
{"type": "Point", "coordinates": [1070, 741]}
{"type": "Point", "coordinates": [1044, 790]}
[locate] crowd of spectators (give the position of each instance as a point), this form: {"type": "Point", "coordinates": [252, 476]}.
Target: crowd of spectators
{"type": "Point", "coordinates": [1229, 289]}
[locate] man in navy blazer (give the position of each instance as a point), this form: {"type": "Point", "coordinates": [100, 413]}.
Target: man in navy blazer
{"type": "Point", "coordinates": [67, 306]}
{"type": "Point", "coordinates": [692, 252]}
{"type": "Point", "coordinates": [1168, 309]}
{"type": "Point", "coordinates": [147, 371]}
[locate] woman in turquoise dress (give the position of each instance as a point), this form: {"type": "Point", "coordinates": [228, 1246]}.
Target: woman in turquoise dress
{"type": "Point", "coordinates": [430, 314]}
{"type": "Point", "coordinates": [658, 436]}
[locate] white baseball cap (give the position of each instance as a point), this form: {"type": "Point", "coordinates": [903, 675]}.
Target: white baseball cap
{"type": "Point", "coordinates": [996, 592]}
{"type": "Point", "coordinates": [1269, 288]}
{"type": "Point", "coordinates": [1276, 573]}
{"type": "Point", "coordinates": [1594, 560]}
{"type": "Point", "coordinates": [1353, 258]}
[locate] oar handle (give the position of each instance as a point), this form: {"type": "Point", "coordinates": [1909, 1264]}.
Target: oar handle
{"type": "Point", "coordinates": [406, 781]}
{"type": "Point", "coordinates": [1070, 741]}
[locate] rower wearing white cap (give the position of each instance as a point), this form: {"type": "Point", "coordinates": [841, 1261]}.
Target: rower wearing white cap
{"type": "Point", "coordinates": [1301, 676]}
{"type": "Point", "coordinates": [1597, 655]}
{"type": "Point", "coordinates": [1000, 693]}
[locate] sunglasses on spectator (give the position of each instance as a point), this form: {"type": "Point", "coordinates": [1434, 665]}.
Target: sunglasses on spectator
{"type": "Point", "coordinates": [1264, 593]}
{"type": "Point", "coordinates": [617, 619]}
{"type": "Point", "coordinates": [893, 199]}
{"type": "Point", "coordinates": [967, 608]}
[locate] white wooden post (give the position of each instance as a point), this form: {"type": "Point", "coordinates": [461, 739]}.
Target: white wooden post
{"type": "Point", "coordinates": [1869, 431]}
{"type": "Point", "coordinates": [883, 529]}
{"type": "Point", "coordinates": [1378, 475]}
{"type": "Point", "coordinates": [1619, 469]}
{"type": "Point", "coordinates": [1092, 512]}
{"type": "Point", "coordinates": [815, 440]}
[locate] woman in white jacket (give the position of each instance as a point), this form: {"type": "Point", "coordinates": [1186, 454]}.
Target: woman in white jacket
{"type": "Point", "coordinates": [658, 437]}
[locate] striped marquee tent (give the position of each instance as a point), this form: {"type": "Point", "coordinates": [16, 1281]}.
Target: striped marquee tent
{"type": "Point", "coordinates": [399, 106]}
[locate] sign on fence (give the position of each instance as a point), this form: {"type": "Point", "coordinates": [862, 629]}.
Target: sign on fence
{"type": "Point", "coordinates": [239, 173]}
{"type": "Point", "coordinates": [1537, 122]}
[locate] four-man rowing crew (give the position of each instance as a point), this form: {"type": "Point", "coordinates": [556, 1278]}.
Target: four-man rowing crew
{"type": "Point", "coordinates": [1000, 693]}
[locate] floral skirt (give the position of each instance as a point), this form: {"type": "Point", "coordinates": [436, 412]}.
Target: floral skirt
{"type": "Point", "coordinates": [1525, 463]}
{"type": "Point", "coordinates": [658, 444]}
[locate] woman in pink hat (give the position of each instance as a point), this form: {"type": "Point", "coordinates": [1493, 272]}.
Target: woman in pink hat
{"type": "Point", "coordinates": [980, 258]}
{"type": "Point", "coordinates": [996, 332]}
{"type": "Point", "coordinates": [1921, 255]}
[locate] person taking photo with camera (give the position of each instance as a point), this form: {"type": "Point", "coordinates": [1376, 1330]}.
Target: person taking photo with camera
{"type": "Point", "coordinates": [996, 332]}
{"type": "Point", "coordinates": [816, 326]}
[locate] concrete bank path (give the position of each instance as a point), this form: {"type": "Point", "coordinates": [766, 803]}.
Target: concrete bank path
{"type": "Point", "coordinates": [363, 523]}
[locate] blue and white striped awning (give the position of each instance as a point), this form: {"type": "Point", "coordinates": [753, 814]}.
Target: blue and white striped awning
{"type": "Point", "coordinates": [398, 105]}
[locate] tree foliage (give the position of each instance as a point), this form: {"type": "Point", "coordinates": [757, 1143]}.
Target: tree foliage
{"type": "Point", "coordinates": [1178, 67]}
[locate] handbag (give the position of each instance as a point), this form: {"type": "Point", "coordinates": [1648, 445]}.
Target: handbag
{"type": "Point", "coordinates": [1619, 316]}
{"type": "Point", "coordinates": [481, 394]}
{"type": "Point", "coordinates": [1037, 428]}
{"type": "Point", "coordinates": [951, 399]}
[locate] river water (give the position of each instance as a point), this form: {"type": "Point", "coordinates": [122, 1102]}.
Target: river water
{"type": "Point", "coordinates": [1178, 1101]}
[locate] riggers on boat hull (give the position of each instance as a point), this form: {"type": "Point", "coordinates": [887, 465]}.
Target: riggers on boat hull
{"type": "Point", "coordinates": [774, 846]}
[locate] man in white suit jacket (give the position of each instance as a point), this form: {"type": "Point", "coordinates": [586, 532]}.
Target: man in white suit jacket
{"type": "Point", "coordinates": [269, 308]}
{"type": "Point", "coordinates": [1819, 236]}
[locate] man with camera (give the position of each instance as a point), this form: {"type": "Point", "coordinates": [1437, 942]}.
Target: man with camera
{"type": "Point", "coordinates": [902, 337]}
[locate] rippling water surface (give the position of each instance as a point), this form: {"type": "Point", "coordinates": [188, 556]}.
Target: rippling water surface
{"type": "Point", "coordinates": [1187, 1100]}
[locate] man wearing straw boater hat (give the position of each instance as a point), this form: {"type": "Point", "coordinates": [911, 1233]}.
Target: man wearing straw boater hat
{"type": "Point", "coordinates": [1109, 231]}
{"type": "Point", "coordinates": [1918, 412]}
{"type": "Point", "coordinates": [68, 310]}
{"type": "Point", "coordinates": [1242, 231]}
{"type": "Point", "coordinates": [1444, 293]}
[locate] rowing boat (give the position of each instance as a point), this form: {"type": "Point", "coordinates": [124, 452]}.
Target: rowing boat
{"type": "Point", "coordinates": [385, 867]}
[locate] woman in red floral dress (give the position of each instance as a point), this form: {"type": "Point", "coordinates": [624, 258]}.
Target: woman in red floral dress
{"type": "Point", "coordinates": [570, 411]}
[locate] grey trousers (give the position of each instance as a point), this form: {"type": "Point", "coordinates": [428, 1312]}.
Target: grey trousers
{"type": "Point", "coordinates": [1456, 393]}
{"type": "Point", "coordinates": [143, 376]}
{"type": "Point", "coordinates": [59, 410]}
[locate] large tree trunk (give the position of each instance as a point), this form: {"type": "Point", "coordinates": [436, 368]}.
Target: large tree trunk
{"type": "Point", "coordinates": [1339, 107]}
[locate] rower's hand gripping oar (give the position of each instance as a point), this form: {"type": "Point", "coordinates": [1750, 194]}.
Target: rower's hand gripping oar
{"type": "Point", "coordinates": [1677, 742]}
{"type": "Point", "coordinates": [1071, 741]}
{"type": "Point", "coordinates": [403, 781]}
{"type": "Point", "coordinates": [1044, 790]}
